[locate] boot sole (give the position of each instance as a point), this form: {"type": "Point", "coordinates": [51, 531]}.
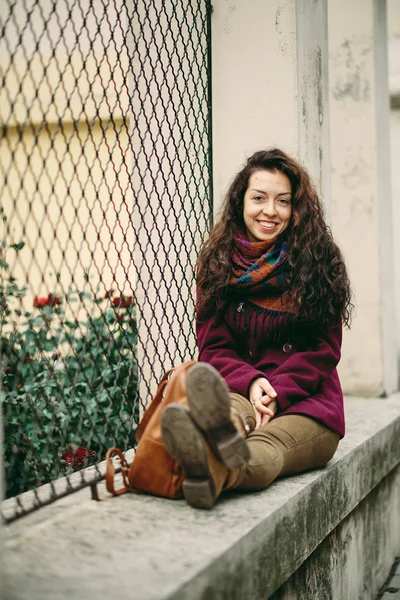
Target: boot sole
{"type": "Point", "coordinates": [210, 408]}
{"type": "Point", "coordinates": [185, 444]}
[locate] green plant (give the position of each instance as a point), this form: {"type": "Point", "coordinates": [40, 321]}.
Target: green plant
{"type": "Point", "coordinates": [69, 385]}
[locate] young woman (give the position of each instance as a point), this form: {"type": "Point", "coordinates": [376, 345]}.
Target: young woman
{"type": "Point", "coordinates": [273, 293]}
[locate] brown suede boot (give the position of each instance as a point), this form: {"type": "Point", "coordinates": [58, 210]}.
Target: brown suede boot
{"type": "Point", "coordinates": [205, 475]}
{"type": "Point", "coordinates": [210, 408]}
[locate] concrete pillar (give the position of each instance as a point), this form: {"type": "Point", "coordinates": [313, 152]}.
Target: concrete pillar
{"type": "Point", "coordinates": [361, 208]}
{"type": "Point", "coordinates": [394, 89]}
{"type": "Point", "coordinates": [270, 85]}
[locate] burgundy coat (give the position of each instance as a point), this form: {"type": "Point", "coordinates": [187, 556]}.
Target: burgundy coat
{"type": "Point", "coordinates": [303, 375]}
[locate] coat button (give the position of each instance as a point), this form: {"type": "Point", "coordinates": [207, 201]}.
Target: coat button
{"type": "Point", "coordinates": [287, 347]}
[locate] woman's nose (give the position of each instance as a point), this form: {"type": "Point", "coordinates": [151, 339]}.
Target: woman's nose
{"type": "Point", "coordinates": [269, 207]}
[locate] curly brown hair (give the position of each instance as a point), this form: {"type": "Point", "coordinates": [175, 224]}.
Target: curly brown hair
{"type": "Point", "coordinates": [317, 275]}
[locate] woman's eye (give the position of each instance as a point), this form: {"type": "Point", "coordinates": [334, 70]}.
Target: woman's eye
{"type": "Point", "coordinates": [284, 201]}
{"type": "Point", "coordinates": [257, 197]}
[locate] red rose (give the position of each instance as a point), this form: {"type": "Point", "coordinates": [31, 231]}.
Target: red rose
{"type": "Point", "coordinates": [76, 458]}
{"type": "Point", "coordinates": [49, 300]}
{"type": "Point", "coordinates": [122, 301]}
{"type": "Point", "coordinates": [40, 302]}
{"type": "Point", "coordinates": [53, 300]}
{"type": "Point", "coordinates": [67, 456]}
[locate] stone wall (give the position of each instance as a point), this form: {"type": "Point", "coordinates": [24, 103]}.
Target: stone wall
{"type": "Point", "coordinates": [355, 559]}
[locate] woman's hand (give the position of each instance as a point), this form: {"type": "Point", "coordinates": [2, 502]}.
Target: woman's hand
{"type": "Point", "coordinates": [263, 398]}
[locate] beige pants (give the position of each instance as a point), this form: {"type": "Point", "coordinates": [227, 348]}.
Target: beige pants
{"type": "Point", "coordinates": [285, 445]}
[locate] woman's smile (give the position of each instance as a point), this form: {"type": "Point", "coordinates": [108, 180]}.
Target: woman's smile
{"type": "Point", "coordinates": [267, 224]}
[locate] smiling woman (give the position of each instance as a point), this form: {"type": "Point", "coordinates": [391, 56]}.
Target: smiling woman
{"type": "Point", "coordinates": [265, 399]}
{"type": "Point", "coordinates": [267, 205]}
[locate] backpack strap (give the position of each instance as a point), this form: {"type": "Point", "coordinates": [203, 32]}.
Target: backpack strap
{"type": "Point", "coordinates": [110, 473]}
{"type": "Point", "coordinates": [153, 405]}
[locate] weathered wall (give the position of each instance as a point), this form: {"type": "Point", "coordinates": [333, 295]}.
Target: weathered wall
{"type": "Point", "coordinates": [261, 97]}
{"type": "Point", "coordinates": [254, 83]}
{"type": "Point", "coordinates": [395, 161]}
{"type": "Point", "coordinates": [355, 559]}
{"type": "Point", "coordinates": [269, 86]}
{"type": "Point", "coordinates": [394, 87]}
{"type": "Point", "coordinates": [361, 195]}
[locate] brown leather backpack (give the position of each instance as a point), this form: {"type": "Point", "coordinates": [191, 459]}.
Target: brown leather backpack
{"type": "Point", "coordinates": [153, 470]}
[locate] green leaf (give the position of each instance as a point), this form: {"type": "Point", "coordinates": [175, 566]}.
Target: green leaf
{"type": "Point", "coordinates": [18, 246]}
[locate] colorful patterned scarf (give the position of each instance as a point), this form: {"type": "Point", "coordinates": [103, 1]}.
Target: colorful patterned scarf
{"type": "Point", "coordinates": [259, 266]}
{"type": "Point", "coordinates": [260, 273]}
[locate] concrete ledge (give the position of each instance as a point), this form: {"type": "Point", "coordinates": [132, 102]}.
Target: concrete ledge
{"type": "Point", "coordinates": [248, 546]}
{"type": "Point", "coordinates": [354, 560]}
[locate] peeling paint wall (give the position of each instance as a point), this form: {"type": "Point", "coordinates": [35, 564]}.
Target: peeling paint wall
{"type": "Point", "coordinates": [269, 85]}
{"type": "Point", "coordinates": [254, 82]}
{"type": "Point", "coordinates": [313, 94]}
{"type": "Point", "coordinates": [361, 206]}
{"type": "Point", "coordinates": [395, 160]}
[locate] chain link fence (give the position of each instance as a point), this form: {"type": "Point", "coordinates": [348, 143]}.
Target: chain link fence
{"type": "Point", "coordinates": [105, 157]}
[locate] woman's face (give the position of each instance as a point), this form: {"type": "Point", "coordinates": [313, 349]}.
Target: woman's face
{"type": "Point", "coordinates": [267, 205]}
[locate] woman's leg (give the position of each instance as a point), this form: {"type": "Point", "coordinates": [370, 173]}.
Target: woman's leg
{"type": "Point", "coordinates": [286, 445]}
